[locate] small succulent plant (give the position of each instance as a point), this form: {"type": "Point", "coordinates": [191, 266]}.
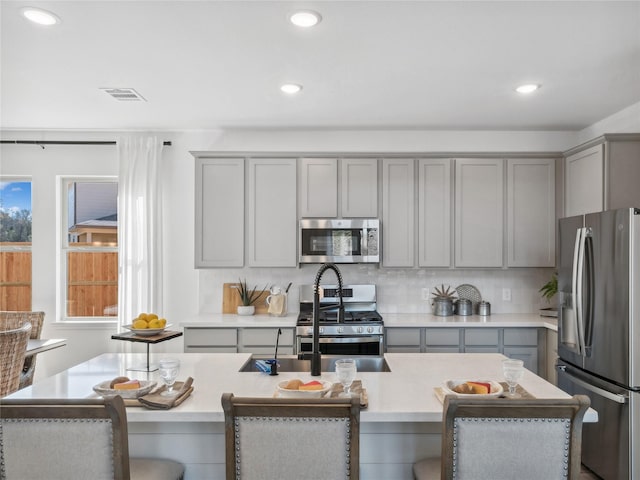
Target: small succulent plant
{"type": "Point", "coordinates": [247, 296]}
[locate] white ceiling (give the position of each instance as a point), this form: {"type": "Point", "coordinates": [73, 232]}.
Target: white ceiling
{"type": "Point", "coordinates": [369, 64]}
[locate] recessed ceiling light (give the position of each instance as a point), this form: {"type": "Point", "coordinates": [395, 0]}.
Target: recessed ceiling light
{"type": "Point", "coordinates": [528, 88]}
{"type": "Point", "coordinates": [40, 16]}
{"type": "Point", "coordinates": [291, 88]}
{"type": "Point", "coordinates": [305, 18]}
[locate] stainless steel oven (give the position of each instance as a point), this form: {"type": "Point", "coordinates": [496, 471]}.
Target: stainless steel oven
{"type": "Point", "coordinates": [361, 332]}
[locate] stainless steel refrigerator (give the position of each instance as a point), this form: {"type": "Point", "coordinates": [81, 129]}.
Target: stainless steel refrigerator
{"type": "Point", "coordinates": [599, 333]}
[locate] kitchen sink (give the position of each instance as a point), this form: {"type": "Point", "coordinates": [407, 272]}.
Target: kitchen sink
{"type": "Point", "coordinates": [294, 364]}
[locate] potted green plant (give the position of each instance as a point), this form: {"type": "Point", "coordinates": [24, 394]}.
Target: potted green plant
{"type": "Point", "coordinates": [248, 297]}
{"type": "Point", "coordinates": [548, 291]}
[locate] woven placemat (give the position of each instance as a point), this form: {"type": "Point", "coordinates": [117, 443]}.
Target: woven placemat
{"type": "Point", "coordinates": [524, 394]}
{"type": "Point", "coordinates": [156, 401]}
{"type": "Point", "coordinates": [356, 389]}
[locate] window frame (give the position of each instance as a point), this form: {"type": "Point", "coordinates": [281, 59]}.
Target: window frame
{"type": "Point", "coordinates": [63, 248]}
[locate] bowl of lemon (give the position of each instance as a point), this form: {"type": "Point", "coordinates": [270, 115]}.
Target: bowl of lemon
{"type": "Point", "coordinates": [147, 324]}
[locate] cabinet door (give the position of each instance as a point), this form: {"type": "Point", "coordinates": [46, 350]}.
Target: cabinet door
{"type": "Point", "coordinates": [479, 213]}
{"type": "Point", "coordinates": [398, 221]}
{"type": "Point", "coordinates": [584, 182]}
{"type": "Point", "coordinates": [219, 208]}
{"type": "Point", "coordinates": [552, 356]}
{"type": "Point", "coordinates": [402, 340]}
{"type": "Point", "coordinates": [272, 212]}
{"type": "Point", "coordinates": [434, 212]}
{"type": "Point", "coordinates": [531, 233]}
{"type": "Point", "coordinates": [359, 180]}
{"type": "Point", "coordinates": [529, 355]}
{"type": "Point", "coordinates": [319, 187]}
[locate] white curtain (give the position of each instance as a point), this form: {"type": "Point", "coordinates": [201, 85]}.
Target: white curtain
{"type": "Point", "coordinates": [139, 227]}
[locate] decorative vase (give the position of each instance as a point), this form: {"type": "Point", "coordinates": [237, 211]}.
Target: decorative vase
{"type": "Point", "coordinates": [246, 309]}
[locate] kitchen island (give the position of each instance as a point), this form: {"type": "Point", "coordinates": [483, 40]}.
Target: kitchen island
{"type": "Point", "coordinates": [401, 424]}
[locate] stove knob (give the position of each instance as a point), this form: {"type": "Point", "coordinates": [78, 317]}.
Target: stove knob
{"type": "Point", "coordinates": [370, 329]}
{"type": "Point", "coordinates": [359, 329]}
{"type": "Point", "coordinates": [340, 329]}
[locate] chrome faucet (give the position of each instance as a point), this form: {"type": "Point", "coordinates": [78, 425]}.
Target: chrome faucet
{"type": "Point", "coordinates": [315, 349]}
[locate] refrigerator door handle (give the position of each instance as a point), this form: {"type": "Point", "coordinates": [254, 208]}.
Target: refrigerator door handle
{"type": "Point", "coordinates": [592, 388]}
{"type": "Point", "coordinates": [576, 285]}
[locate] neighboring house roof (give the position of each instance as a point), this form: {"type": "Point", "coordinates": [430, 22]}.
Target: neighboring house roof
{"type": "Point", "coordinates": [109, 221]}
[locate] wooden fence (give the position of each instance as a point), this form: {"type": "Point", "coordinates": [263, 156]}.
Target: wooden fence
{"type": "Point", "coordinates": [15, 280]}
{"type": "Point", "coordinates": [92, 283]}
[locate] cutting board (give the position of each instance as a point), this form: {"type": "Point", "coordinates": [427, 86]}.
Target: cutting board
{"type": "Point", "coordinates": [231, 299]}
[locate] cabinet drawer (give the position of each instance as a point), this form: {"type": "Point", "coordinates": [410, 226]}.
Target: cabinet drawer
{"type": "Point", "coordinates": [265, 336]}
{"type": "Point", "coordinates": [521, 336]}
{"type": "Point", "coordinates": [210, 350]}
{"type": "Point", "coordinates": [210, 336]}
{"type": "Point", "coordinates": [403, 336]}
{"type": "Point", "coordinates": [442, 336]}
{"type": "Point", "coordinates": [482, 336]}
{"type": "Point", "coordinates": [403, 349]}
{"type": "Point", "coordinates": [267, 350]}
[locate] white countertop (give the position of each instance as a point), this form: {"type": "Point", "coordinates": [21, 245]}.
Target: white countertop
{"type": "Point", "coordinates": [218, 320]}
{"type": "Point", "coordinates": [406, 394]}
{"type": "Point", "coordinates": [495, 320]}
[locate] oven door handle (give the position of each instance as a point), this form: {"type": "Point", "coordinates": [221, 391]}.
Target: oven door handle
{"type": "Point", "coordinates": [358, 339]}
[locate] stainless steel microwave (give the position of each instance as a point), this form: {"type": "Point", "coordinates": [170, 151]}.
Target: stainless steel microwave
{"type": "Point", "coordinates": [339, 240]}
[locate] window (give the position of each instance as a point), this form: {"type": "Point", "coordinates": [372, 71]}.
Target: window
{"type": "Point", "coordinates": [89, 257]}
{"type": "Point", "coordinates": [15, 245]}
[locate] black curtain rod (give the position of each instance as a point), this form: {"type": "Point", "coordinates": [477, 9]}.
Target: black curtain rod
{"type": "Point", "coordinates": [62, 142]}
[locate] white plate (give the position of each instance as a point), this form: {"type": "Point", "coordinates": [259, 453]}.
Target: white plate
{"type": "Point", "coordinates": [105, 391]}
{"type": "Point", "coordinates": [283, 392]}
{"type": "Point", "coordinates": [496, 388]}
{"type": "Point", "coordinates": [147, 332]}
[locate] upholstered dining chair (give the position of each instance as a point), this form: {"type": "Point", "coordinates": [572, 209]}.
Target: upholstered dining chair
{"type": "Point", "coordinates": [55, 439]}
{"type": "Point", "coordinates": [17, 319]}
{"type": "Point", "coordinates": [13, 346]}
{"type": "Point", "coordinates": [507, 439]}
{"type": "Point", "coordinates": [291, 439]}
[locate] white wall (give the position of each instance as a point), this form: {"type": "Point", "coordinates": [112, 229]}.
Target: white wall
{"type": "Point", "coordinates": [624, 121]}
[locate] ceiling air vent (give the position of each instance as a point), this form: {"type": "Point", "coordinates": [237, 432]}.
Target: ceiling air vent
{"type": "Point", "coordinates": [124, 94]}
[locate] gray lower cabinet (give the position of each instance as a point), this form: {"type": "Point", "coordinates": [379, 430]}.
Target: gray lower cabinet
{"type": "Point", "coordinates": [238, 340]}
{"type": "Point", "coordinates": [263, 340]}
{"type": "Point", "coordinates": [521, 343]}
{"type": "Point", "coordinates": [403, 340]}
{"type": "Point", "coordinates": [552, 356]}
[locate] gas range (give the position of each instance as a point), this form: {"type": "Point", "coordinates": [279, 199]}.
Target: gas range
{"type": "Point", "coordinates": [360, 316]}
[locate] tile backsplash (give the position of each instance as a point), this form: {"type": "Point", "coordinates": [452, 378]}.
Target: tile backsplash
{"type": "Point", "coordinates": [399, 289]}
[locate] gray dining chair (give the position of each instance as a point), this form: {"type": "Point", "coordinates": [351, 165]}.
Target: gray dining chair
{"type": "Point", "coordinates": [291, 439]}
{"type": "Point", "coordinates": [53, 439]}
{"type": "Point", "coordinates": [9, 319]}
{"type": "Point", "coordinates": [13, 347]}
{"type": "Point", "coordinates": [508, 438]}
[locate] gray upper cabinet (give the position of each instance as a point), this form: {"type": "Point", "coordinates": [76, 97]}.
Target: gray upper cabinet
{"type": "Point", "coordinates": [398, 203]}
{"type": "Point", "coordinates": [272, 225]}
{"type": "Point", "coordinates": [584, 185]}
{"type": "Point", "coordinates": [319, 187]}
{"type": "Point", "coordinates": [359, 180]}
{"type": "Point", "coordinates": [219, 210]}
{"type": "Point", "coordinates": [434, 212]}
{"type": "Point", "coordinates": [348, 183]}
{"type": "Point", "coordinates": [479, 204]}
{"type": "Point", "coordinates": [531, 212]}
{"type": "Point", "coordinates": [603, 174]}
